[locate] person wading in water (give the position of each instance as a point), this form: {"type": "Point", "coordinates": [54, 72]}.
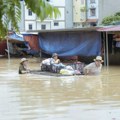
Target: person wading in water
{"type": "Point", "coordinates": [95, 67]}
{"type": "Point", "coordinates": [23, 68]}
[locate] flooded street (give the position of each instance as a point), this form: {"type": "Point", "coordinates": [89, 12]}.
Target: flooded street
{"type": "Point", "coordinates": [37, 97]}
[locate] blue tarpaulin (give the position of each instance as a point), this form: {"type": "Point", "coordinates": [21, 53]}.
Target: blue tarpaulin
{"type": "Point", "coordinates": [71, 43]}
{"type": "Point", "coordinates": [16, 37]}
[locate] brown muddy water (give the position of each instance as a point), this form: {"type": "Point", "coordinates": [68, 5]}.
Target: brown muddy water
{"type": "Point", "coordinates": [36, 97]}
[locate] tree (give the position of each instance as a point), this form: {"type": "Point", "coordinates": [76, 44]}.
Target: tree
{"type": "Point", "coordinates": [10, 12]}
{"type": "Point", "coordinates": [117, 14]}
{"type": "Point", "coordinates": [111, 20]}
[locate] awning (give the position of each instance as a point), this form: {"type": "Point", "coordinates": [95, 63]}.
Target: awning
{"type": "Point", "coordinates": [115, 28]}
{"type": "Point", "coordinates": [109, 29]}
{"type": "Point", "coordinates": [15, 38]}
{"type": "Point", "coordinates": [71, 44]}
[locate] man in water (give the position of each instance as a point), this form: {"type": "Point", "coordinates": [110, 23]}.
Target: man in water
{"type": "Point", "coordinates": [23, 68]}
{"type": "Point", "coordinates": [95, 67]}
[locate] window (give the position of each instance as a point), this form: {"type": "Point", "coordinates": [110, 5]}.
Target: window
{"type": "Point", "coordinates": [43, 27]}
{"type": "Point", "coordinates": [92, 1]}
{"type": "Point", "coordinates": [92, 12]}
{"type": "Point", "coordinates": [56, 24]}
{"type": "Point", "coordinates": [30, 26]}
{"type": "Point", "coordinates": [29, 12]}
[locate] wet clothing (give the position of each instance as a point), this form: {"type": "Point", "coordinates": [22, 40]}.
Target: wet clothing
{"type": "Point", "coordinates": [50, 61]}
{"type": "Point", "coordinates": [53, 65]}
{"type": "Point", "coordinates": [93, 69]}
{"type": "Point", "coordinates": [22, 68]}
{"type": "Point", "coordinates": [47, 61]}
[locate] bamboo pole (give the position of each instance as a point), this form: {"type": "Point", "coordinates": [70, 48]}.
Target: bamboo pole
{"type": "Point", "coordinates": [8, 49]}
{"type": "Point", "coordinates": [107, 51]}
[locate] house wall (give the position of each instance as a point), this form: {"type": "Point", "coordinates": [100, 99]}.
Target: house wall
{"type": "Point", "coordinates": [60, 26]}
{"type": "Point", "coordinates": [68, 13]}
{"type": "Point", "coordinates": [48, 25]}
{"type": "Point", "coordinates": [29, 17]}
{"type": "Point", "coordinates": [48, 22]}
{"type": "Point", "coordinates": [76, 11]}
{"type": "Point", "coordinates": [21, 24]}
{"type": "Point", "coordinates": [29, 22]}
{"type": "Point", "coordinates": [58, 2]}
{"type": "Point", "coordinates": [92, 5]}
{"type": "Point", "coordinates": [83, 13]}
{"type": "Point", "coordinates": [79, 12]}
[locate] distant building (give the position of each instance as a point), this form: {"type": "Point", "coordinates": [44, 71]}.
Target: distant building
{"type": "Point", "coordinates": [79, 13]}
{"type": "Point", "coordinates": [85, 13]}
{"type": "Point", "coordinates": [30, 21]}
{"type": "Point", "coordinates": [88, 13]}
{"type": "Point", "coordinates": [74, 13]}
{"type": "Point", "coordinates": [92, 12]}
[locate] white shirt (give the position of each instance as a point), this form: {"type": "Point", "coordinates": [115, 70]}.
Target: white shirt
{"type": "Point", "coordinates": [93, 68]}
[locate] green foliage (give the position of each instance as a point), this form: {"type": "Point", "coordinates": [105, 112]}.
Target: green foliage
{"type": "Point", "coordinates": [42, 9]}
{"type": "Point", "coordinates": [10, 12]}
{"type": "Point", "coordinates": [111, 19]}
{"type": "Point", "coordinates": [117, 14]}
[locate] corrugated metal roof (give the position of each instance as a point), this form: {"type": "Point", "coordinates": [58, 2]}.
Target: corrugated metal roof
{"type": "Point", "coordinates": [109, 29]}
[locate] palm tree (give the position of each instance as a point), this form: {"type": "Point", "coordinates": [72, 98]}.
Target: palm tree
{"type": "Point", "coordinates": [10, 11]}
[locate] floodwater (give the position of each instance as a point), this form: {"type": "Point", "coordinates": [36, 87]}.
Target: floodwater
{"type": "Point", "coordinates": [36, 97]}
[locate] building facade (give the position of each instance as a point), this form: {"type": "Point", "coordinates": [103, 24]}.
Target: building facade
{"type": "Point", "coordinates": [74, 13]}
{"type": "Point", "coordinates": [79, 13]}
{"type": "Point", "coordinates": [88, 13]}
{"type": "Point", "coordinates": [85, 13]}
{"type": "Point", "coordinates": [92, 12]}
{"type": "Point", "coordinates": [30, 21]}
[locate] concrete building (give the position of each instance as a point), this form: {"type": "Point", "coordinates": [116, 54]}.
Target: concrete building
{"type": "Point", "coordinates": [74, 13]}
{"type": "Point", "coordinates": [92, 12]}
{"type": "Point", "coordinates": [79, 13]}
{"type": "Point", "coordinates": [85, 13]}
{"type": "Point", "coordinates": [30, 21]}
{"type": "Point", "coordinates": [99, 9]}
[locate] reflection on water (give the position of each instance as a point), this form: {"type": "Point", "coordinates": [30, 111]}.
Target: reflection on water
{"type": "Point", "coordinates": [36, 97]}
